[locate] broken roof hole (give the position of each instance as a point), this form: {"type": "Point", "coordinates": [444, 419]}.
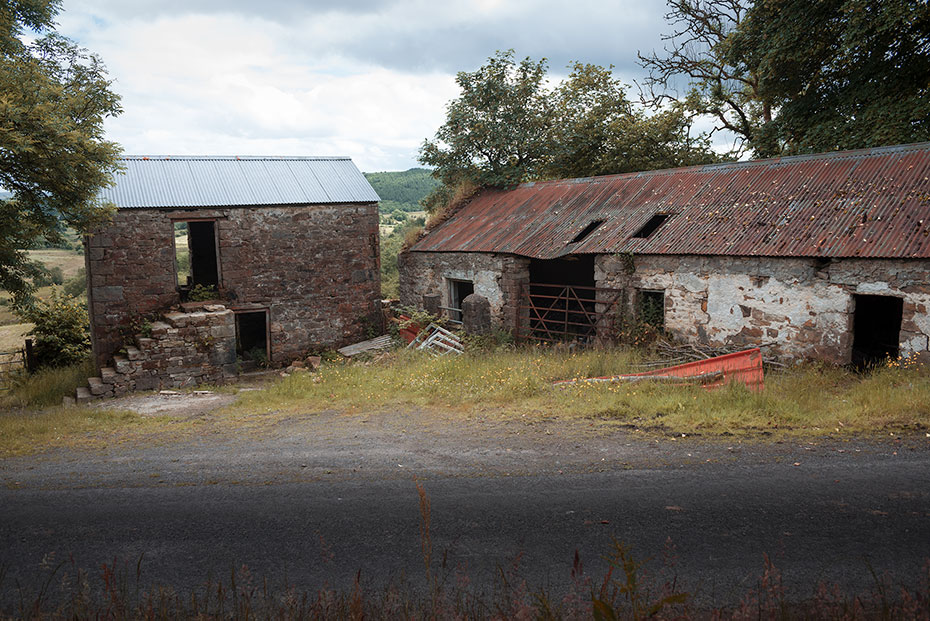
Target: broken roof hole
{"type": "Point", "coordinates": [650, 227]}
{"type": "Point", "coordinates": [586, 231]}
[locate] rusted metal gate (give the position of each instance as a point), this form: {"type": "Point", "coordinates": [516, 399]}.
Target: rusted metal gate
{"type": "Point", "coordinates": [11, 362]}
{"type": "Point", "coordinates": [569, 312]}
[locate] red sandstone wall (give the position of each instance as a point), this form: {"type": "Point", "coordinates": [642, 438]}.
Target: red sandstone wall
{"type": "Point", "coordinates": [316, 268]}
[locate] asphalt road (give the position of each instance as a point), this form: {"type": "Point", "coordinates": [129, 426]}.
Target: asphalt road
{"type": "Point", "coordinates": [834, 512]}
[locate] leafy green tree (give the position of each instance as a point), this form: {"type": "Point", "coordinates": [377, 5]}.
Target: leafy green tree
{"type": "Point", "coordinates": [53, 155]}
{"type": "Point", "coordinates": [597, 131]}
{"type": "Point", "coordinates": [508, 126]}
{"type": "Point", "coordinates": [843, 74]}
{"type": "Point", "coordinates": [794, 76]}
{"type": "Point", "coordinates": [497, 131]}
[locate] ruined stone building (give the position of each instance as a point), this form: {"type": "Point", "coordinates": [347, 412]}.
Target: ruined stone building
{"type": "Point", "coordinates": [285, 248]}
{"type": "Point", "coordinates": [822, 256]}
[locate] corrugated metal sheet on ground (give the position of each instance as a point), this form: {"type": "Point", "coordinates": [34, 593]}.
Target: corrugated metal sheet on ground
{"type": "Point", "coordinates": [865, 203]}
{"type": "Point", "coordinates": [191, 182]}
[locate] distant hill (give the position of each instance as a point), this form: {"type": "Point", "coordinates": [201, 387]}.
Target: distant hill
{"type": "Point", "coordinates": [402, 191]}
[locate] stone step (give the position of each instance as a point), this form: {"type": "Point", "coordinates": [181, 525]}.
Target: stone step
{"type": "Point", "coordinates": [108, 375]}
{"type": "Point", "coordinates": [121, 364]}
{"type": "Point", "coordinates": [97, 387]}
{"type": "Point", "coordinates": [82, 395]}
{"type": "Point", "coordinates": [133, 353]}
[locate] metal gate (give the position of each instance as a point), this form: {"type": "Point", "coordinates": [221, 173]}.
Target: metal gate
{"type": "Point", "coordinates": [569, 312]}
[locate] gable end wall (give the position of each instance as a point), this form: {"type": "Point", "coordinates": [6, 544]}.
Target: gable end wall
{"type": "Point", "coordinates": [316, 268]}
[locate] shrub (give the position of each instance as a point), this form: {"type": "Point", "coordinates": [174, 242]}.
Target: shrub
{"type": "Point", "coordinates": [61, 330]}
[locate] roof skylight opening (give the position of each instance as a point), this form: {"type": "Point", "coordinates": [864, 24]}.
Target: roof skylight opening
{"type": "Point", "coordinates": [586, 231]}
{"type": "Point", "coordinates": [650, 227]}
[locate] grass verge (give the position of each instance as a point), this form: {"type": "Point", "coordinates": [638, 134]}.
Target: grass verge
{"type": "Point", "coordinates": [805, 398]}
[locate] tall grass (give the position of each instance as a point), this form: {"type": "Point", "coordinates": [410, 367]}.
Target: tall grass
{"type": "Point", "coordinates": [46, 387]}
{"type": "Point", "coordinates": [811, 397]}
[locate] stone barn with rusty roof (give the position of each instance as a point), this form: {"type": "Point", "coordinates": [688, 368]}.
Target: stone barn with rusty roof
{"type": "Point", "coordinates": [213, 262]}
{"type": "Point", "coordinates": [821, 256]}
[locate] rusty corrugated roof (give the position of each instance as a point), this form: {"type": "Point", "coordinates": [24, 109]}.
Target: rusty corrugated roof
{"type": "Point", "coordinates": [865, 203]}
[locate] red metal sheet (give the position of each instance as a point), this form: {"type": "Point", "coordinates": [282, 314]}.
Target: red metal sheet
{"type": "Point", "coordinates": [867, 203]}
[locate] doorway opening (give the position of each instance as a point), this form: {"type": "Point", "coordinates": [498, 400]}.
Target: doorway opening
{"type": "Point", "coordinates": [458, 291]}
{"type": "Point", "coordinates": [195, 254]}
{"type": "Point", "coordinates": [252, 346]}
{"type": "Point", "coordinates": [562, 298]}
{"type": "Point", "coordinates": [876, 329]}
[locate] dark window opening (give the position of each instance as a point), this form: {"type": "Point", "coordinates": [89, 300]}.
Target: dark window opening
{"type": "Point", "coordinates": [586, 231]}
{"type": "Point", "coordinates": [650, 308]}
{"type": "Point", "coordinates": [650, 227]}
{"type": "Point", "coordinates": [252, 338]}
{"type": "Point", "coordinates": [458, 291]}
{"type": "Point", "coordinates": [876, 329]}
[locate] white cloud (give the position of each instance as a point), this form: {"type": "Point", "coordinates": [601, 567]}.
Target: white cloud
{"type": "Point", "coordinates": [369, 78]}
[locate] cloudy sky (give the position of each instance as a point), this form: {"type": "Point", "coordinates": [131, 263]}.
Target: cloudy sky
{"type": "Point", "coordinates": [363, 78]}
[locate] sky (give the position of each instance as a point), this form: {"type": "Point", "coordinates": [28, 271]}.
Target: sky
{"type": "Point", "coordinates": [365, 78]}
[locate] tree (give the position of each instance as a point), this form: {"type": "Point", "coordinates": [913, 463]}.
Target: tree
{"type": "Point", "coordinates": [507, 126]}
{"type": "Point", "coordinates": [496, 132]}
{"type": "Point", "coordinates": [719, 83]}
{"type": "Point", "coordinates": [53, 155]}
{"type": "Point", "coordinates": [794, 76]}
{"type": "Point", "coordinates": [843, 73]}
{"type": "Point", "coordinates": [598, 131]}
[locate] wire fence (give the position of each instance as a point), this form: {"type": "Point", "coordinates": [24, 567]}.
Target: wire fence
{"type": "Point", "coordinates": [12, 364]}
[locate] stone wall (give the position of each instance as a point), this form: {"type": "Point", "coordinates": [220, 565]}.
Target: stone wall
{"type": "Point", "coordinates": [800, 307]}
{"type": "Point", "coordinates": [496, 277]}
{"type": "Point", "coordinates": [184, 349]}
{"type": "Point", "coordinates": [315, 268]}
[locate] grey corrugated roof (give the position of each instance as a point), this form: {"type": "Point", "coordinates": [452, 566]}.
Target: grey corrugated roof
{"type": "Point", "coordinates": [210, 181]}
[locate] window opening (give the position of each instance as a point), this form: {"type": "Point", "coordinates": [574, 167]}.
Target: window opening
{"type": "Point", "coordinates": [650, 227]}
{"type": "Point", "coordinates": [651, 308]}
{"type": "Point", "coordinates": [876, 329]}
{"type": "Point", "coordinates": [202, 242]}
{"type": "Point", "coordinates": [252, 349]}
{"type": "Point", "coordinates": [586, 231]}
{"type": "Point", "coordinates": [458, 291]}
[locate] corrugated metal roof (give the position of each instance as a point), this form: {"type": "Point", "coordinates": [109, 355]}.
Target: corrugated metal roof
{"type": "Point", "coordinates": [865, 203]}
{"type": "Point", "coordinates": [192, 182]}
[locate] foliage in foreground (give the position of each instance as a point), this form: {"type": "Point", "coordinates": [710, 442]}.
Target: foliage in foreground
{"type": "Point", "coordinates": [812, 397]}
{"type": "Point", "coordinates": [630, 588]}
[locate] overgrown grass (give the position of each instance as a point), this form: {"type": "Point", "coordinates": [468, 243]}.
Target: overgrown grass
{"type": "Point", "coordinates": [31, 414]}
{"type": "Point", "coordinates": [46, 387]}
{"type": "Point", "coordinates": [22, 432]}
{"type": "Point", "coordinates": [808, 397]}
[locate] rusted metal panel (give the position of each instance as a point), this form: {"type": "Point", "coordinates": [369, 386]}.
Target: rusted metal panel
{"type": "Point", "coordinates": [865, 203]}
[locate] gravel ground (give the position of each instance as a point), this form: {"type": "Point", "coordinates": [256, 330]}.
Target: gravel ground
{"type": "Point", "coordinates": [501, 488]}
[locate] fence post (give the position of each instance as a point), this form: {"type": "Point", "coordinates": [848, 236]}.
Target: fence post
{"type": "Point", "coordinates": [30, 357]}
